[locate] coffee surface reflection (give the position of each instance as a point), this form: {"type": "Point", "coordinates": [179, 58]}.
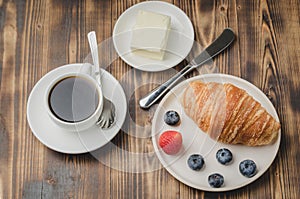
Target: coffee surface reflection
{"type": "Point", "coordinates": [73, 99]}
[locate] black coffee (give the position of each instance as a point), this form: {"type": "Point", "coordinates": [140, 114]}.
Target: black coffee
{"type": "Point", "coordinates": [73, 99]}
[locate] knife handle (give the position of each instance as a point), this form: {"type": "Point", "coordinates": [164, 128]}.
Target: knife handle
{"type": "Point", "coordinates": [222, 42]}
{"type": "Point", "coordinates": [157, 93]}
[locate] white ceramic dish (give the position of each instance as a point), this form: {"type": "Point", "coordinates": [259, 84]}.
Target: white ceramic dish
{"type": "Point", "coordinates": [179, 44]}
{"type": "Point", "coordinates": [196, 141]}
{"type": "Point", "coordinates": [70, 142]}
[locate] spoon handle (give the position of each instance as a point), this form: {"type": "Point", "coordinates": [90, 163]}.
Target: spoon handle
{"type": "Point", "coordinates": [94, 50]}
{"type": "Point", "coordinates": [217, 46]}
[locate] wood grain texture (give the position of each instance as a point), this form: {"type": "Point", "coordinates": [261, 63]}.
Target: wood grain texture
{"type": "Point", "coordinates": [37, 36]}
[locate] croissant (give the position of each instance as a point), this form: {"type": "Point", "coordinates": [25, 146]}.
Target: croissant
{"type": "Point", "coordinates": [229, 114]}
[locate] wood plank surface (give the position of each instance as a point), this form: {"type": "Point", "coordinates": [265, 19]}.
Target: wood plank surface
{"type": "Point", "coordinates": [37, 36]}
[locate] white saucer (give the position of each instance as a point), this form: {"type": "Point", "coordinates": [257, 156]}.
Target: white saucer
{"type": "Point", "coordinates": [64, 141]}
{"type": "Point", "coordinates": [196, 141]}
{"type": "Point", "coordinates": [179, 44]}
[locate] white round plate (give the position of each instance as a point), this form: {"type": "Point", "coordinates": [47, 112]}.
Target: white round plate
{"type": "Point", "coordinates": [180, 41]}
{"type": "Point", "coordinates": [64, 141]}
{"type": "Point", "coordinates": [196, 141]}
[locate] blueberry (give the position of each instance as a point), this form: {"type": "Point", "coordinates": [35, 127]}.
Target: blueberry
{"type": "Point", "coordinates": [215, 180]}
{"type": "Point", "coordinates": [195, 162]}
{"type": "Point", "coordinates": [224, 156]}
{"type": "Point", "coordinates": [171, 117]}
{"type": "Point", "coordinates": [247, 168]}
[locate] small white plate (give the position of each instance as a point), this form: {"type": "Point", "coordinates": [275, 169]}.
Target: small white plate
{"type": "Point", "coordinates": [180, 41]}
{"type": "Point", "coordinates": [64, 141]}
{"type": "Point", "coordinates": [196, 141]}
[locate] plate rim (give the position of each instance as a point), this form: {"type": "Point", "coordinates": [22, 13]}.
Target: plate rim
{"type": "Point", "coordinates": [182, 180]}
{"type": "Point", "coordinates": [189, 25]}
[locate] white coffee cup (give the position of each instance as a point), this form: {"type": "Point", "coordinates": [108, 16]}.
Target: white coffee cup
{"type": "Point", "coordinates": [55, 114]}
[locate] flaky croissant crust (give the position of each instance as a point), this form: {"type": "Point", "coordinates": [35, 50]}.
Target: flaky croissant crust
{"type": "Point", "coordinates": [229, 114]}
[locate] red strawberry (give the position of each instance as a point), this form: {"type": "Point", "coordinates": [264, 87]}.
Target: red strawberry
{"type": "Point", "coordinates": [170, 142]}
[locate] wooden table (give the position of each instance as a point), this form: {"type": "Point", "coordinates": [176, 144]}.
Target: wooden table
{"type": "Point", "coordinates": [37, 36]}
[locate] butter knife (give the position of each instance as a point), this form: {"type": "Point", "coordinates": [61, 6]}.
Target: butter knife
{"type": "Point", "coordinates": [217, 46]}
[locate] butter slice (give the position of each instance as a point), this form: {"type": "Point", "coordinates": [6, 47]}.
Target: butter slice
{"type": "Point", "coordinates": [150, 34]}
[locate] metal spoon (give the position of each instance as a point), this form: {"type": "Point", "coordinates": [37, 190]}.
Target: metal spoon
{"type": "Point", "coordinates": [108, 116]}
